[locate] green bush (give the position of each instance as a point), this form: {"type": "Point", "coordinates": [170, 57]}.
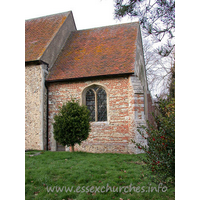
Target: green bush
{"type": "Point", "coordinates": [72, 124]}
{"type": "Point", "coordinates": [160, 152]}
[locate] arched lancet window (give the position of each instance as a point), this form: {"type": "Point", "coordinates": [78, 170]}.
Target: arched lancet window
{"type": "Point", "coordinates": [96, 101]}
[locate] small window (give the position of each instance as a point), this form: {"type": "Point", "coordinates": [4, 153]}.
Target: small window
{"type": "Point", "coordinates": [96, 101]}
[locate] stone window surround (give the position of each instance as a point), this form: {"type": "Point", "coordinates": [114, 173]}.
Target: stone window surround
{"type": "Point", "coordinates": [83, 101]}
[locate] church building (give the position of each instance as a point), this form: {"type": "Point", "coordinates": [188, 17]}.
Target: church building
{"type": "Point", "coordinates": [101, 67]}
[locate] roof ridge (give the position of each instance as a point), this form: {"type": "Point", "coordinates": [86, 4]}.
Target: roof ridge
{"type": "Point", "coordinates": [137, 22]}
{"type": "Point", "coordinates": [51, 15]}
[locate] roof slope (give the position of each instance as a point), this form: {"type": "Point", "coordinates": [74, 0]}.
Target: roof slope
{"type": "Point", "coordinates": [39, 32]}
{"type": "Point", "coordinates": [95, 52]}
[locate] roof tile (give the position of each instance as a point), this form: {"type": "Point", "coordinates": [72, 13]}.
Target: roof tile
{"type": "Point", "coordinates": [96, 52]}
{"type": "Point", "coordinates": [39, 32]}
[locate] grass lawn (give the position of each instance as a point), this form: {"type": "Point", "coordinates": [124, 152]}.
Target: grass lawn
{"type": "Point", "coordinates": [50, 170]}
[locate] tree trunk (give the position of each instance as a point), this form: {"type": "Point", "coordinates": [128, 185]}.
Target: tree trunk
{"type": "Point", "coordinates": [72, 148]}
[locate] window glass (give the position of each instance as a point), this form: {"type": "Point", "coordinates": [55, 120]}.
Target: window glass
{"type": "Point", "coordinates": [101, 105]}
{"type": "Point", "coordinates": [96, 101]}
{"type": "Point", "coordinates": [90, 103]}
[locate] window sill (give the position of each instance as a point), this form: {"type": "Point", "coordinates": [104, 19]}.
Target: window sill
{"type": "Point", "coordinates": [99, 123]}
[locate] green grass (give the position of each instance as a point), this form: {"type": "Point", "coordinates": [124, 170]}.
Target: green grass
{"type": "Point", "coordinates": [79, 169]}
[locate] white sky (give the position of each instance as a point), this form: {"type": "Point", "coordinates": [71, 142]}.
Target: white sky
{"type": "Point", "coordinates": [87, 13]}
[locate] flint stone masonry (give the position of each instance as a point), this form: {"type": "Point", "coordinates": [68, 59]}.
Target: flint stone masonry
{"type": "Point", "coordinates": [33, 121]}
{"type": "Point", "coordinates": [35, 107]}
{"type": "Point", "coordinates": [113, 135]}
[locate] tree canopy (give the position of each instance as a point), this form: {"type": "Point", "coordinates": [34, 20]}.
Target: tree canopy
{"type": "Point", "coordinates": [156, 17]}
{"type": "Point", "coordinates": [72, 124]}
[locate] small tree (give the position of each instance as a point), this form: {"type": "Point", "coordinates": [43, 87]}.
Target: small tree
{"type": "Point", "coordinates": [72, 124]}
{"type": "Point", "coordinates": [160, 152]}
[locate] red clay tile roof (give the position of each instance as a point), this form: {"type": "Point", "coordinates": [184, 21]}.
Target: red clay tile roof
{"type": "Point", "coordinates": [95, 52]}
{"type": "Point", "coordinates": [39, 32]}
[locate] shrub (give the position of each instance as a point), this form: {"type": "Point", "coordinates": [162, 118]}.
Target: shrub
{"type": "Point", "coordinates": [160, 152]}
{"type": "Point", "coordinates": [72, 124]}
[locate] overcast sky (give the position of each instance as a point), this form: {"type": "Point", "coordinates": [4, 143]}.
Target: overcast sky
{"type": "Point", "coordinates": [87, 13]}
